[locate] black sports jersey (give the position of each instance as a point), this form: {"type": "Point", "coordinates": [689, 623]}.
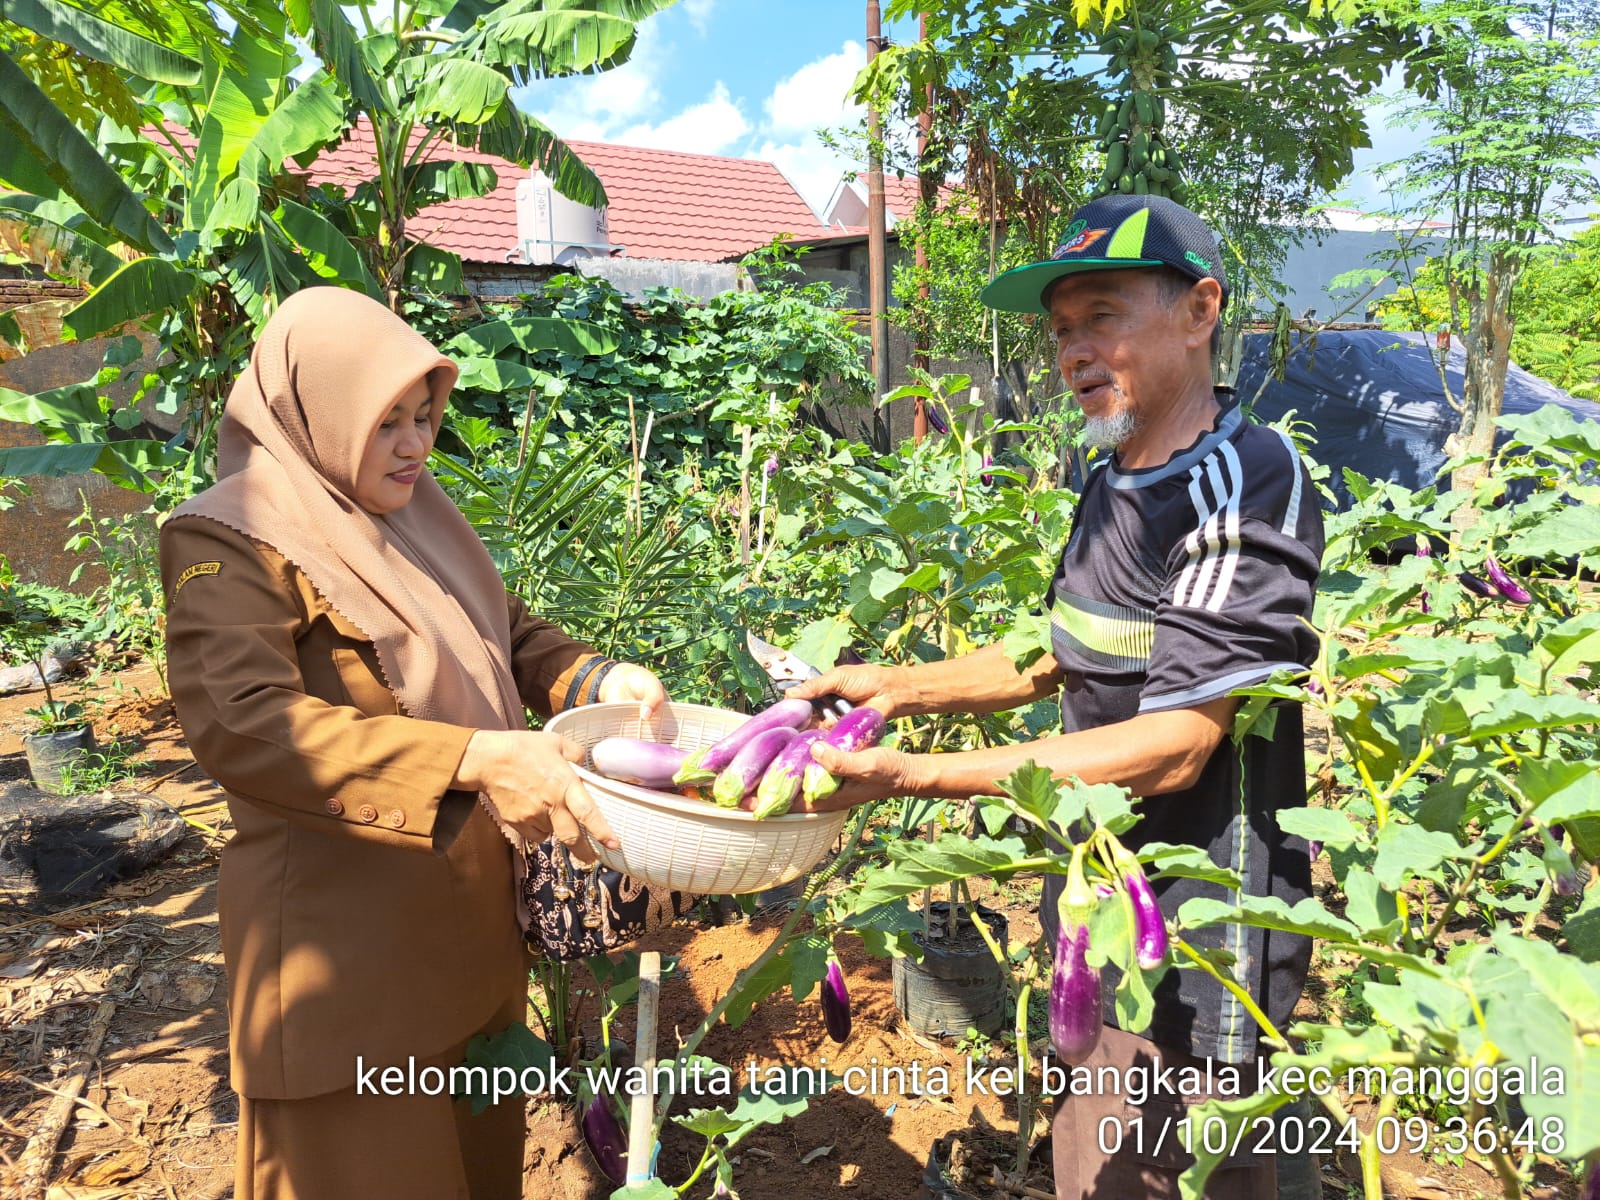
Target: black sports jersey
{"type": "Point", "coordinates": [1178, 584]}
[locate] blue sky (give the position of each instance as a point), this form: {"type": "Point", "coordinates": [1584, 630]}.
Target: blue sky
{"type": "Point", "coordinates": [752, 78]}
{"type": "Point", "coordinates": [757, 78]}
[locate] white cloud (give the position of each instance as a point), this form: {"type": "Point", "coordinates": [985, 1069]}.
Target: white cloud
{"type": "Point", "coordinates": [698, 12]}
{"type": "Point", "coordinates": [711, 127]}
{"type": "Point", "coordinates": [815, 96]}
{"type": "Point", "coordinates": [590, 108]}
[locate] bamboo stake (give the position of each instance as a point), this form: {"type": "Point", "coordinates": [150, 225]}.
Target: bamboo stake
{"type": "Point", "coordinates": [34, 1168]}
{"type": "Point", "coordinates": [641, 1117]}
{"type": "Point", "coordinates": [744, 499]}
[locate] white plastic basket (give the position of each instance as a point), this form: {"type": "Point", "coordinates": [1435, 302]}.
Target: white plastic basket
{"type": "Point", "coordinates": [691, 845]}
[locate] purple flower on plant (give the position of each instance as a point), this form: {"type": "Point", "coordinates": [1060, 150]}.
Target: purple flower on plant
{"type": "Point", "coordinates": [986, 479]}
{"type": "Point", "coordinates": [771, 466]}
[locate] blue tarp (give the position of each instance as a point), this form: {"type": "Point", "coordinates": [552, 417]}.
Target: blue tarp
{"type": "Point", "coordinates": [1375, 401]}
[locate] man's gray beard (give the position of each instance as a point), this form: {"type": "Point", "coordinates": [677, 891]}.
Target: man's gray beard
{"type": "Point", "coordinates": [1109, 432]}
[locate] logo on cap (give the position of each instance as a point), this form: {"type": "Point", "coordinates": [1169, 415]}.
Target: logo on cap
{"type": "Point", "coordinates": [1203, 263]}
{"type": "Point", "coordinates": [1079, 237]}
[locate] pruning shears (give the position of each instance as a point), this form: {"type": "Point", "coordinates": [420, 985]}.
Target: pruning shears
{"type": "Point", "coordinates": [785, 671]}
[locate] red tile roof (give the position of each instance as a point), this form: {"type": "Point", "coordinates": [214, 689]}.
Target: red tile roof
{"type": "Point", "coordinates": [702, 207]}
{"type": "Point", "coordinates": [901, 193]}
{"type": "Point", "coordinates": [662, 203]}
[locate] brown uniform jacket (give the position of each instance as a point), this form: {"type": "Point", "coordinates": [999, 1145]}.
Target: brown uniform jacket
{"type": "Point", "coordinates": [366, 908]}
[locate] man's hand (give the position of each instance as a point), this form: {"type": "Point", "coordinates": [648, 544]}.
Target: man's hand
{"type": "Point", "coordinates": [630, 682]}
{"type": "Point", "coordinates": [866, 775]}
{"type": "Point", "coordinates": [864, 683]}
{"type": "Point", "coordinates": [529, 779]}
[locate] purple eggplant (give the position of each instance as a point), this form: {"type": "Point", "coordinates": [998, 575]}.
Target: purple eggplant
{"type": "Point", "coordinates": [1313, 849]}
{"type": "Point", "coordinates": [859, 729]}
{"type": "Point", "coordinates": [704, 765]}
{"type": "Point", "coordinates": [836, 1003]}
{"type": "Point", "coordinates": [1424, 550]}
{"type": "Point", "coordinates": [1149, 926]}
{"type": "Point", "coordinates": [1504, 584]}
{"type": "Point", "coordinates": [781, 783]}
{"type": "Point", "coordinates": [740, 777]}
{"type": "Point", "coordinates": [935, 420]}
{"type": "Point", "coordinates": [1075, 999]}
{"type": "Point", "coordinates": [648, 764]}
{"type": "Point", "coordinates": [606, 1138]}
{"type": "Point", "coordinates": [770, 467]}
{"type": "Point", "coordinates": [1477, 585]}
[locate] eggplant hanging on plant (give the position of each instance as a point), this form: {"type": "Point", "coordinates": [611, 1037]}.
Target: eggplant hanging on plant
{"type": "Point", "coordinates": [859, 729]}
{"type": "Point", "coordinates": [704, 765]}
{"type": "Point", "coordinates": [1075, 998]}
{"type": "Point", "coordinates": [741, 776]}
{"type": "Point", "coordinates": [1149, 926]}
{"type": "Point", "coordinates": [606, 1139]}
{"type": "Point", "coordinates": [1505, 585]}
{"type": "Point", "coordinates": [781, 783]}
{"type": "Point", "coordinates": [1478, 586]}
{"type": "Point", "coordinates": [836, 1003]}
{"type": "Point", "coordinates": [1424, 550]}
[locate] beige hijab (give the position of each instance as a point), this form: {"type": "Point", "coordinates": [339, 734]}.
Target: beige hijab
{"type": "Point", "coordinates": [328, 367]}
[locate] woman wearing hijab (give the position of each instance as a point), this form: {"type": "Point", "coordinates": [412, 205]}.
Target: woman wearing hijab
{"type": "Point", "coordinates": [347, 663]}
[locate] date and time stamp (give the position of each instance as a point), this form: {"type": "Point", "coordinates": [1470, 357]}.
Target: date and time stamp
{"type": "Point", "coordinates": [1321, 1135]}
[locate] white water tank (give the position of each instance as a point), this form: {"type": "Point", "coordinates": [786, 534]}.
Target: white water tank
{"type": "Point", "coordinates": [554, 229]}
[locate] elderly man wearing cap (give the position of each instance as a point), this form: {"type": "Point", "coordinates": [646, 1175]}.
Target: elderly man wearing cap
{"type": "Point", "coordinates": [1190, 571]}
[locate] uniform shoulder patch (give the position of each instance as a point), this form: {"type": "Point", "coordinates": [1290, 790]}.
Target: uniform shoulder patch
{"type": "Point", "coordinates": [193, 570]}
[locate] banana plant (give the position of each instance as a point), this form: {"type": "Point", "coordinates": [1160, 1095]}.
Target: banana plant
{"type": "Point", "coordinates": [168, 186]}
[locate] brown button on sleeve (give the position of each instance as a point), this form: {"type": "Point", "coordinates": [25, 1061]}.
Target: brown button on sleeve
{"type": "Point", "coordinates": [397, 818]}
{"type": "Point", "coordinates": [335, 806]}
{"type": "Point", "coordinates": [368, 814]}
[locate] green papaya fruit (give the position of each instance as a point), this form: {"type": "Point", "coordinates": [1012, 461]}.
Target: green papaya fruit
{"type": "Point", "coordinates": [1117, 158]}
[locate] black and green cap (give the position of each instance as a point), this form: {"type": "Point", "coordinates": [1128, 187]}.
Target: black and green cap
{"type": "Point", "coordinates": [1112, 233]}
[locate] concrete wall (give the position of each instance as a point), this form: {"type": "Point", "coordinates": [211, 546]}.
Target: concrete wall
{"type": "Point", "coordinates": [34, 530]}
{"type": "Point", "coordinates": [1310, 268]}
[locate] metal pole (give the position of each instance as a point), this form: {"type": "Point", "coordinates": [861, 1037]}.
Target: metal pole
{"type": "Point", "coordinates": [929, 189]}
{"type": "Point", "coordinates": [877, 241]}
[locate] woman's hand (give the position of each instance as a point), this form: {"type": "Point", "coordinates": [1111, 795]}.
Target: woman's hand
{"type": "Point", "coordinates": [630, 682]}
{"type": "Point", "coordinates": [529, 779]}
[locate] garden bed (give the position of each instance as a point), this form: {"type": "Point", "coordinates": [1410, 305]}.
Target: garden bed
{"type": "Point", "coordinates": [158, 1119]}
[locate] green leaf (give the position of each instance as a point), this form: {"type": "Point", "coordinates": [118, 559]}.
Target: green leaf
{"type": "Point", "coordinates": [438, 180]}
{"type": "Point", "coordinates": [652, 1189]}
{"type": "Point", "coordinates": [1564, 791]}
{"type": "Point", "coordinates": [1330, 826]}
{"type": "Point", "coordinates": [497, 375]}
{"type": "Point", "coordinates": [37, 137]}
{"type": "Point", "coordinates": [1405, 850]}
{"type": "Point", "coordinates": [557, 42]}
{"type": "Point", "coordinates": [75, 404]}
{"type": "Point", "coordinates": [1517, 712]}
{"type": "Point", "coordinates": [1582, 930]}
{"type": "Point", "coordinates": [533, 334]}
{"type": "Point", "coordinates": [709, 1122]}
{"type": "Point", "coordinates": [1572, 646]}
{"type": "Point", "coordinates": [145, 287]}
{"type": "Point", "coordinates": [310, 117]}
{"type": "Point", "coordinates": [915, 865]}
{"type": "Point", "coordinates": [336, 43]}
{"type": "Point", "coordinates": [1569, 531]}
{"type": "Point", "coordinates": [885, 929]}
{"type": "Point", "coordinates": [1268, 912]}
{"type": "Point", "coordinates": [512, 134]}
{"type": "Point", "coordinates": [1221, 1115]}
{"type": "Point", "coordinates": [821, 641]}
{"type": "Point", "coordinates": [1028, 640]}
{"type": "Point", "coordinates": [457, 89]}
{"type": "Point", "coordinates": [103, 40]}
{"type": "Point", "coordinates": [808, 964]}
{"type": "Point", "coordinates": [1374, 911]}
{"type": "Point", "coordinates": [515, 1047]}
{"type": "Point", "coordinates": [329, 253]}
{"type": "Point", "coordinates": [1185, 862]}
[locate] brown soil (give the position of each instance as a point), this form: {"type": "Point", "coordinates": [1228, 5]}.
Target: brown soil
{"type": "Point", "coordinates": [157, 1118]}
